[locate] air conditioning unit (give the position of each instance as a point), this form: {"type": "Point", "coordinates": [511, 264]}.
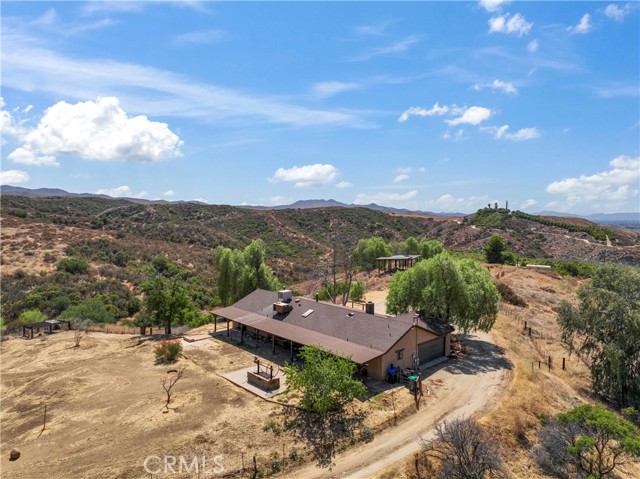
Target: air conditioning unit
{"type": "Point", "coordinates": [285, 295]}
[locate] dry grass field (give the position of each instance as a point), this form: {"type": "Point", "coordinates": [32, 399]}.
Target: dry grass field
{"type": "Point", "coordinates": [535, 393]}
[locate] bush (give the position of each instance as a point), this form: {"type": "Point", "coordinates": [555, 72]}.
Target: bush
{"type": "Point", "coordinates": [509, 295]}
{"type": "Point", "coordinates": [32, 316]}
{"type": "Point", "coordinates": [73, 266]}
{"type": "Point", "coordinates": [366, 434]}
{"type": "Point", "coordinates": [168, 350]}
{"type": "Point", "coordinates": [92, 309]}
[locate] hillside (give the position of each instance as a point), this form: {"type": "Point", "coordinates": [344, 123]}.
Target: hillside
{"type": "Point", "coordinates": [298, 238]}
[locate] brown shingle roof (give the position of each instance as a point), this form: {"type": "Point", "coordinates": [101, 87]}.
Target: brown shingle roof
{"type": "Point", "coordinates": [336, 327]}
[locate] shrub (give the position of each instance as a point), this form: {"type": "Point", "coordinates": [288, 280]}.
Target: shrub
{"type": "Point", "coordinates": [366, 434]}
{"type": "Point", "coordinates": [73, 266]}
{"type": "Point", "coordinates": [509, 295]}
{"type": "Point", "coordinates": [168, 350]}
{"type": "Point", "coordinates": [32, 316]}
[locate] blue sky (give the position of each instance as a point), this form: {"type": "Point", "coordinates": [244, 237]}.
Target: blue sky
{"type": "Point", "coordinates": [437, 106]}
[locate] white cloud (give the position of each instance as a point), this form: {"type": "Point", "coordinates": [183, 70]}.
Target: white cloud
{"type": "Point", "coordinates": [452, 204]}
{"type": "Point", "coordinates": [493, 5]}
{"type": "Point", "coordinates": [457, 136]}
{"type": "Point", "coordinates": [200, 38]}
{"type": "Point", "coordinates": [473, 115]}
{"type": "Point", "coordinates": [99, 130]}
{"type": "Point", "coordinates": [331, 88]}
{"type": "Point", "coordinates": [307, 176]}
{"type": "Point", "coordinates": [201, 200]}
{"type": "Point", "coordinates": [27, 157]}
{"type": "Point", "coordinates": [343, 185]}
{"type": "Point", "coordinates": [168, 194]}
{"type": "Point", "coordinates": [533, 45]}
{"type": "Point", "coordinates": [400, 178]}
{"type": "Point", "coordinates": [614, 12]}
{"type": "Point", "coordinates": [435, 110]}
{"type": "Point", "coordinates": [121, 191]}
{"type": "Point", "coordinates": [278, 200]}
{"type": "Point", "coordinates": [13, 177]}
{"type": "Point", "coordinates": [505, 87]}
{"type": "Point", "coordinates": [29, 65]}
{"type": "Point", "coordinates": [501, 133]}
{"type": "Point", "coordinates": [584, 26]}
{"type": "Point", "coordinates": [516, 24]}
{"type": "Point", "coordinates": [528, 204]}
{"type": "Point", "coordinates": [618, 184]}
{"type": "Point", "coordinates": [384, 198]}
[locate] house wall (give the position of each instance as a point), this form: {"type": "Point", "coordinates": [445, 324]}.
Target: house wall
{"type": "Point", "coordinates": [378, 367]}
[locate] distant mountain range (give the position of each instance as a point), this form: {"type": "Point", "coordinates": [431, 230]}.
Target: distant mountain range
{"type": "Point", "coordinates": [603, 218]}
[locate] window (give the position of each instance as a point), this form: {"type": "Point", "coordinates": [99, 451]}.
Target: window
{"type": "Point", "coordinates": [400, 353]}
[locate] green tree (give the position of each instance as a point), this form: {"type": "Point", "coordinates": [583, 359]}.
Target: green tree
{"type": "Point", "coordinates": [166, 300]}
{"type": "Point", "coordinates": [605, 327]}
{"type": "Point", "coordinates": [241, 272]}
{"type": "Point", "coordinates": [591, 440]}
{"type": "Point", "coordinates": [461, 292]}
{"type": "Point", "coordinates": [368, 250]}
{"type": "Point", "coordinates": [410, 246]}
{"type": "Point", "coordinates": [357, 291]}
{"type": "Point", "coordinates": [494, 249]}
{"type": "Point", "coordinates": [428, 248]}
{"type": "Point", "coordinates": [91, 309]}
{"type": "Point", "coordinates": [326, 381]}
{"type": "Point", "coordinates": [32, 316]}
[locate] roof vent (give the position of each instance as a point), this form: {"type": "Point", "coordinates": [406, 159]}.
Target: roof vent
{"type": "Point", "coordinates": [307, 313]}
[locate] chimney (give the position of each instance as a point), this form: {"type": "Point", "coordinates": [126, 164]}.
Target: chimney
{"type": "Point", "coordinates": [369, 307]}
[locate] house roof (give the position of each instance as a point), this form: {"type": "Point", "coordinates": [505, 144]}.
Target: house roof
{"type": "Point", "coordinates": [327, 325]}
{"type": "Point", "coordinates": [398, 257]}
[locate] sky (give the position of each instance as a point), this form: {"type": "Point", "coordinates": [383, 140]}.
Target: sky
{"type": "Point", "coordinates": [433, 106]}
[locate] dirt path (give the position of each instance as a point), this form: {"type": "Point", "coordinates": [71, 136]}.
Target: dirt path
{"type": "Point", "coordinates": [468, 387]}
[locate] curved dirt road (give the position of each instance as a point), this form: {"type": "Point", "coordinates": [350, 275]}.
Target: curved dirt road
{"type": "Point", "coordinates": [466, 387]}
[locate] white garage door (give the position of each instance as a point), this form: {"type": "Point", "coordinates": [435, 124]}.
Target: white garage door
{"type": "Point", "coordinates": [431, 350]}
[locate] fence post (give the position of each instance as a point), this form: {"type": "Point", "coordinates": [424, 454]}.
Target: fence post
{"type": "Point", "coordinates": [549, 363]}
{"type": "Point", "coordinates": [563, 365]}
{"type": "Point", "coordinates": [525, 325]}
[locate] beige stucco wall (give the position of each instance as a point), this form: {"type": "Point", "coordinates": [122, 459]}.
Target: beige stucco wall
{"type": "Point", "coordinates": [378, 367]}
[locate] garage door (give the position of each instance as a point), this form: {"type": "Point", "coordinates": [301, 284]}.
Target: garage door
{"type": "Point", "coordinates": [431, 350]}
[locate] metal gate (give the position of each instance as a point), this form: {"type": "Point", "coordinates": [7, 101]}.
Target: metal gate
{"type": "Point", "coordinates": [431, 350]}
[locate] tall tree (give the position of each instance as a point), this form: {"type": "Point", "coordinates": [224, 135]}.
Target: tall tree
{"type": "Point", "coordinates": [166, 300]}
{"type": "Point", "coordinates": [368, 250]}
{"type": "Point", "coordinates": [428, 248]}
{"type": "Point", "coordinates": [410, 246]}
{"type": "Point", "coordinates": [605, 327]}
{"type": "Point", "coordinates": [494, 249]}
{"type": "Point", "coordinates": [458, 292]}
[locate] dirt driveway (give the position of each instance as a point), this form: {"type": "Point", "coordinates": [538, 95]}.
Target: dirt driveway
{"type": "Point", "coordinates": [463, 387]}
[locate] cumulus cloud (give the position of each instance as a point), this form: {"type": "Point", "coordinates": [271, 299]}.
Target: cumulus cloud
{"type": "Point", "coordinates": [384, 198]}
{"type": "Point", "coordinates": [584, 26]}
{"type": "Point", "coordinates": [499, 85]}
{"type": "Point", "coordinates": [13, 177]}
{"type": "Point", "coordinates": [435, 110]}
{"type": "Point", "coordinates": [493, 5]}
{"type": "Point", "coordinates": [27, 157]}
{"type": "Point", "coordinates": [168, 194]}
{"type": "Point", "coordinates": [618, 184]}
{"type": "Point", "coordinates": [332, 88]}
{"type": "Point", "coordinates": [343, 185]}
{"type": "Point", "coordinates": [533, 45]}
{"type": "Point", "coordinates": [501, 133]}
{"type": "Point", "coordinates": [121, 191]}
{"type": "Point", "coordinates": [457, 136]}
{"type": "Point", "coordinates": [450, 203]}
{"type": "Point", "coordinates": [528, 204]}
{"type": "Point", "coordinates": [102, 130]}
{"type": "Point", "coordinates": [307, 176]}
{"type": "Point", "coordinates": [473, 115]}
{"type": "Point", "coordinates": [516, 24]}
{"type": "Point", "coordinates": [614, 12]}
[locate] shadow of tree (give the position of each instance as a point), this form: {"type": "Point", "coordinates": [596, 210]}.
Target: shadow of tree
{"type": "Point", "coordinates": [323, 432]}
{"type": "Point", "coordinates": [482, 357]}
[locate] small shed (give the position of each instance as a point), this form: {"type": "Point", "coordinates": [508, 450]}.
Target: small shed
{"type": "Point", "coordinates": [48, 326]}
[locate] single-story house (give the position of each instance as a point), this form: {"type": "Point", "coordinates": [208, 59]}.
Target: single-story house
{"type": "Point", "coordinates": [373, 341]}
